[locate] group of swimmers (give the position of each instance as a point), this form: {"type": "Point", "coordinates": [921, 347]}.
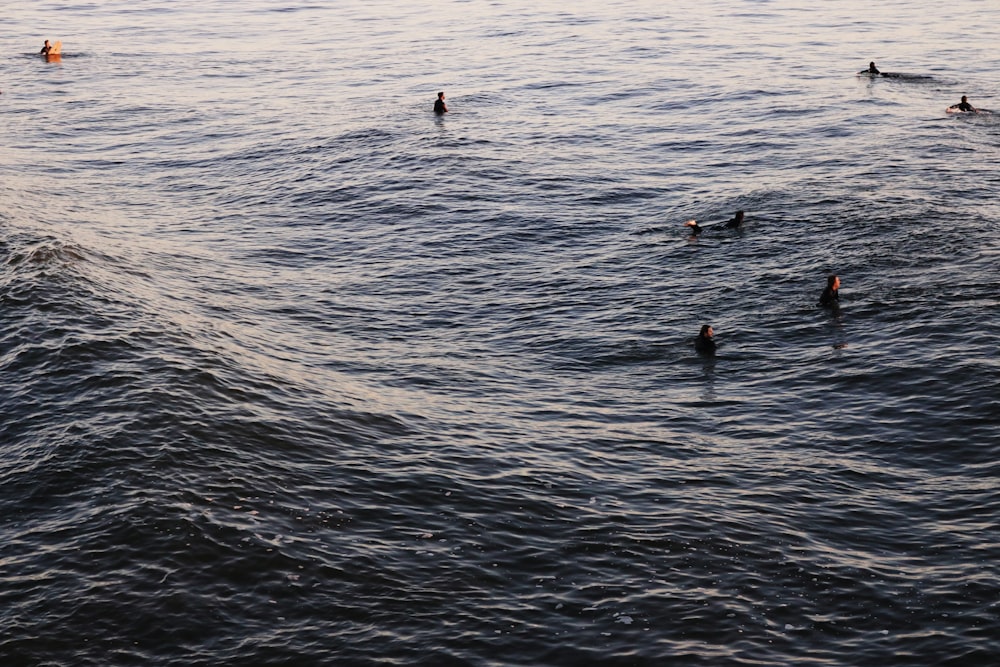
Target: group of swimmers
{"type": "Point", "coordinates": [961, 106]}
{"type": "Point", "coordinates": [704, 343]}
{"type": "Point", "coordinates": [830, 297]}
{"type": "Point", "coordinates": [440, 108]}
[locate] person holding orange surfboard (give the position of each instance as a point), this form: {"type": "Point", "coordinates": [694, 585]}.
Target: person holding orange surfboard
{"type": "Point", "coordinates": [51, 49]}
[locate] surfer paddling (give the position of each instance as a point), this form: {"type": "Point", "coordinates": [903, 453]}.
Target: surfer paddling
{"type": "Point", "coordinates": [875, 72]}
{"type": "Point", "coordinates": [963, 106]}
{"type": "Point", "coordinates": [735, 223]}
{"type": "Point", "coordinates": [695, 227]}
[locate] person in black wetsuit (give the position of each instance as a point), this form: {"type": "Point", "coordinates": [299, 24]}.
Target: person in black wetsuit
{"type": "Point", "coordinates": [439, 106]}
{"type": "Point", "coordinates": [705, 342]}
{"type": "Point", "coordinates": [46, 48]}
{"type": "Point", "coordinates": [736, 222]}
{"type": "Point", "coordinates": [964, 105]}
{"type": "Point", "coordinates": [831, 295]}
{"type": "Point", "coordinates": [872, 69]}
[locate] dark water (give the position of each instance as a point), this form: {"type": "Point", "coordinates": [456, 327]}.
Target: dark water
{"type": "Point", "coordinates": [294, 373]}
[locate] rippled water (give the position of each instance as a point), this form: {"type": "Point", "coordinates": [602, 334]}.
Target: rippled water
{"type": "Point", "coordinates": [294, 372]}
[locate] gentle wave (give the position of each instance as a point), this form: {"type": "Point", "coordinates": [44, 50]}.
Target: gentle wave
{"type": "Point", "coordinates": [294, 371]}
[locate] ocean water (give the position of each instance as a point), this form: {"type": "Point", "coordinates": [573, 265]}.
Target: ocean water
{"type": "Point", "coordinates": [294, 372]}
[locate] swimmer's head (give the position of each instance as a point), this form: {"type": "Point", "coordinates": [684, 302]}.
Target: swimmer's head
{"type": "Point", "coordinates": [833, 281]}
{"type": "Point", "coordinates": [964, 98]}
{"type": "Point", "coordinates": [706, 331]}
{"type": "Point", "coordinates": [441, 95]}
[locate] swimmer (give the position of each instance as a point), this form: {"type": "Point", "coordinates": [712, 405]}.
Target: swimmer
{"type": "Point", "coordinates": [830, 295]}
{"type": "Point", "coordinates": [46, 48]}
{"type": "Point", "coordinates": [705, 342]}
{"type": "Point", "coordinates": [736, 222]}
{"type": "Point", "coordinates": [964, 106]}
{"type": "Point", "coordinates": [695, 227]}
{"type": "Point", "coordinates": [439, 106]}
{"type": "Point", "coordinates": [872, 69]}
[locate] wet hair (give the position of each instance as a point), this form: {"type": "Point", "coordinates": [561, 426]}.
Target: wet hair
{"type": "Point", "coordinates": [704, 330]}
{"type": "Point", "coordinates": [831, 279]}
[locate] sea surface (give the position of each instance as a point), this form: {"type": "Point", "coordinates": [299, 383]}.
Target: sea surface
{"type": "Point", "coordinates": [295, 372]}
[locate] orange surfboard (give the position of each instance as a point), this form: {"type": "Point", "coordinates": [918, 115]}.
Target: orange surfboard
{"type": "Point", "coordinates": [55, 52]}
